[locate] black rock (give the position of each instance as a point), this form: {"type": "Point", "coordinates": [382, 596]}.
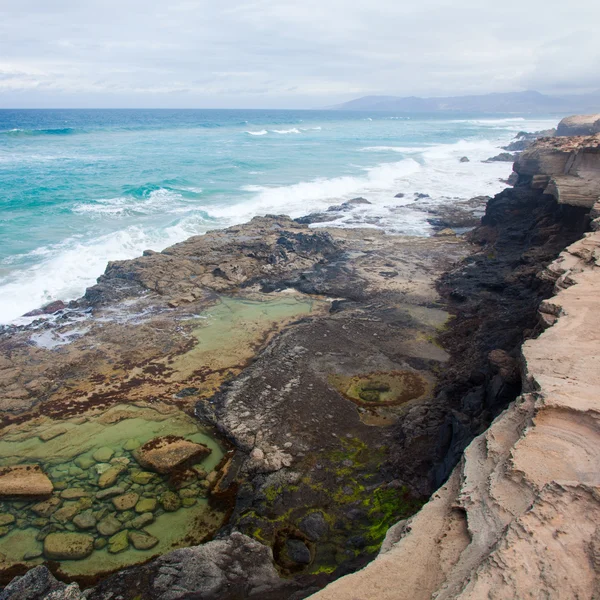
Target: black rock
{"type": "Point", "coordinates": [314, 526]}
{"type": "Point", "coordinates": [297, 551]}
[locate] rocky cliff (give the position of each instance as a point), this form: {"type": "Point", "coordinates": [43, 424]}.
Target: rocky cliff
{"type": "Point", "coordinates": [519, 516]}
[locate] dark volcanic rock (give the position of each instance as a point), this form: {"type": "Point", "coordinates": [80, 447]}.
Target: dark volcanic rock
{"type": "Point", "coordinates": [231, 568]}
{"type": "Point", "coordinates": [39, 584]}
{"type": "Point", "coordinates": [494, 295]}
{"type": "Point", "coordinates": [502, 157]}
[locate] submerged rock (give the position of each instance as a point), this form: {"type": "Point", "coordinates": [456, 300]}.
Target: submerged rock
{"type": "Point", "coordinates": [110, 476]}
{"type": "Point", "coordinates": [142, 541]}
{"type": "Point", "coordinates": [47, 507]}
{"type": "Point", "coordinates": [68, 546]}
{"type": "Point", "coordinates": [170, 501]}
{"type": "Point", "coordinates": [165, 454]}
{"type": "Point", "coordinates": [24, 480]}
{"type": "Point", "coordinates": [109, 525]}
{"type": "Point", "coordinates": [118, 542]}
{"type": "Point", "coordinates": [126, 501]}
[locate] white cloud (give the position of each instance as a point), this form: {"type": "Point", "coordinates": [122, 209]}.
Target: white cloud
{"type": "Point", "coordinates": [288, 53]}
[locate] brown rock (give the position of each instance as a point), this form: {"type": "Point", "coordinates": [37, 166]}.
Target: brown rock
{"type": "Point", "coordinates": [142, 541]}
{"type": "Point", "coordinates": [47, 507]}
{"type": "Point", "coordinates": [68, 546]}
{"type": "Point", "coordinates": [164, 454]}
{"type": "Point", "coordinates": [126, 501]}
{"type": "Point", "coordinates": [24, 480]}
{"type": "Point", "coordinates": [111, 475]}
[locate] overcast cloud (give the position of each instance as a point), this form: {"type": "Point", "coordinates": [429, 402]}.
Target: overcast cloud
{"type": "Point", "coordinates": [289, 53]}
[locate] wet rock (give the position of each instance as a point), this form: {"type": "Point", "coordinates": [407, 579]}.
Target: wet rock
{"type": "Point", "coordinates": [464, 159]}
{"type": "Point", "coordinates": [170, 501]}
{"type": "Point", "coordinates": [103, 455]}
{"type": "Point", "coordinates": [164, 454]}
{"type": "Point", "coordinates": [126, 501]}
{"type": "Point", "coordinates": [118, 542]}
{"type": "Point", "coordinates": [142, 477]}
{"type": "Point", "coordinates": [85, 520]}
{"type": "Point", "coordinates": [447, 232]}
{"type": "Point", "coordinates": [145, 505]}
{"type": "Point", "coordinates": [110, 476]}
{"type": "Point", "coordinates": [141, 521]}
{"type": "Point", "coordinates": [116, 490]}
{"type": "Point", "coordinates": [502, 157]}
{"type": "Point", "coordinates": [24, 480]}
{"type": "Point", "coordinates": [4, 531]}
{"type": "Point", "coordinates": [32, 555]}
{"type": "Point", "coordinates": [109, 525]}
{"type": "Point", "coordinates": [188, 493]}
{"type": "Point", "coordinates": [39, 584]}
{"type": "Point", "coordinates": [73, 494]}
{"type": "Point", "coordinates": [188, 502]}
{"type": "Point", "coordinates": [6, 519]}
{"type": "Point", "coordinates": [314, 526]}
{"type": "Point", "coordinates": [67, 512]}
{"type": "Point", "coordinates": [131, 444]}
{"type": "Point", "coordinates": [400, 195]}
{"type": "Point", "coordinates": [142, 541]}
{"type": "Point", "coordinates": [84, 462]}
{"type": "Point", "coordinates": [297, 551]}
{"type": "Point", "coordinates": [68, 546]}
{"type": "Point", "coordinates": [100, 543]}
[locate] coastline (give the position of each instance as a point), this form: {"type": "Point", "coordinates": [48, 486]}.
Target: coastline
{"type": "Point", "coordinates": [359, 305]}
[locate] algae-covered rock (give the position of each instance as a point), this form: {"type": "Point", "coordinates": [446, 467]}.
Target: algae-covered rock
{"type": "Point", "coordinates": [118, 542]}
{"type": "Point", "coordinates": [84, 462]}
{"type": "Point", "coordinates": [109, 525]}
{"type": "Point", "coordinates": [100, 543]}
{"type": "Point", "coordinates": [47, 507]}
{"type": "Point", "coordinates": [116, 490]}
{"type": "Point", "coordinates": [142, 541]}
{"type": "Point", "coordinates": [24, 480]}
{"type": "Point", "coordinates": [6, 519]}
{"type": "Point", "coordinates": [164, 454]}
{"type": "Point", "coordinates": [73, 493]}
{"type": "Point", "coordinates": [85, 520]}
{"type": "Point", "coordinates": [67, 512]}
{"type": "Point", "coordinates": [103, 455]}
{"type": "Point", "coordinates": [189, 502]}
{"type": "Point", "coordinates": [143, 520]}
{"type": "Point", "coordinates": [110, 476]}
{"type": "Point", "coordinates": [188, 493]}
{"type": "Point", "coordinates": [142, 477]}
{"type": "Point", "coordinates": [68, 546]}
{"type": "Point", "coordinates": [145, 505]}
{"type": "Point", "coordinates": [4, 530]}
{"type": "Point", "coordinates": [170, 501]}
{"type": "Point", "coordinates": [126, 501]}
{"type": "Point", "coordinates": [131, 444]}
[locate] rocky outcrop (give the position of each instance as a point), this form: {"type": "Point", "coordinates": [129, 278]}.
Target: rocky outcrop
{"type": "Point", "coordinates": [567, 168]}
{"type": "Point", "coordinates": [519, 516]}
{"type": "Point", "coordinates": [226, 569]}
{"type": "Point", "coordinates": [39, 584]}
{"type": "Point", "coordinates": [579, 125]}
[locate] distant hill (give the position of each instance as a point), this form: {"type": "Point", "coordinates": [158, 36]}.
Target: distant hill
{"type": "Point", "coordinates": [512, 102]}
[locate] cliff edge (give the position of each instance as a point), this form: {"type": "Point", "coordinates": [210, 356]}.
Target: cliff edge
{"type": "Point", "coordinates": [520, 515]}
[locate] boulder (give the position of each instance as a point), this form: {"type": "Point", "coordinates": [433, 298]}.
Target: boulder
{"type": "Point", "coordinates": [85, 520]}
{"type": "Point", "coordinates": [145, 505]}
{"type": "Point", "coordinates": [39, 584]}
{"type": "Point", "coordinates": [464, 159]}
{"type": "Point", "coordinates": [47, 507]}
{"type": "Point", "coordinates": [165, 454]}
{"type": "Point", "coordinates": [170, 501]}
{"type": "Point", "coordinates": [24, 480]}
{"type": "Point", "coordinates": [68, 546]}
{"type": "Point", "coordinates": [110, 476]}
{"type": "Point", "coordinates": [579, 125]}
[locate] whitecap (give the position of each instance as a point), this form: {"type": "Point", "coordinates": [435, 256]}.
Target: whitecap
{"type": "Point", "coordinates": [261, 132]}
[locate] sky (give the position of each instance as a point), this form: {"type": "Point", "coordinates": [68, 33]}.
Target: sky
{"type": "Point", "coordinates": [289, 53]}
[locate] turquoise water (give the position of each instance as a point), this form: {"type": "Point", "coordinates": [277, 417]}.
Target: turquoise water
{"type": "Point", "coordinates": [81, 187]}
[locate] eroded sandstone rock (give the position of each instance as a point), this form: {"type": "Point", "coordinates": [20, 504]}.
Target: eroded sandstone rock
{"type": "Point", "coordinates": [24, 480]}
{"type": "Point", "coordinates": [165, 454]}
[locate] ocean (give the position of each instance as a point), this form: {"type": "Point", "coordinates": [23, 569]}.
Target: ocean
{"type": "Point", "coordinates": [79, 188]}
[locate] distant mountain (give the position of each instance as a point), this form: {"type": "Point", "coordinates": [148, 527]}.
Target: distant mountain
{"type": "Point", "coordinates": [512, 102]}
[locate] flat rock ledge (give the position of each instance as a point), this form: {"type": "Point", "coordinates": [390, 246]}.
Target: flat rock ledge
{"type": "Point", "coordinates": [520, 515]}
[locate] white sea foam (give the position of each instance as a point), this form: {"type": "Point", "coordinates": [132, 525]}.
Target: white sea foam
{"type": "Point", "coordinates": [400, 149]}
{"type": "Point", "coordinates": [283, 131]}
{"type": "Point", "coordinates": [261, 132]}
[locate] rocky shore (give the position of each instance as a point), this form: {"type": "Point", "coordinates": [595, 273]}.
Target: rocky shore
{"type": "Point", "coordinates": [291, 393]}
